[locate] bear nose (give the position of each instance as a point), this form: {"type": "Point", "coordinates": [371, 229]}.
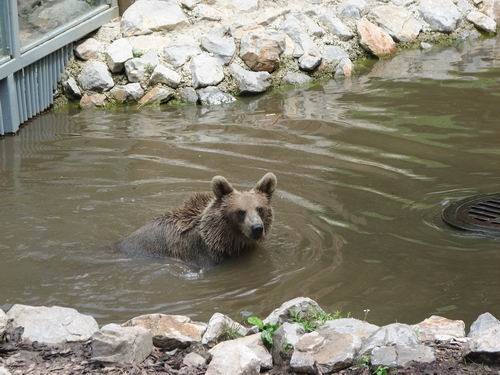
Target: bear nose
{"type": "Point", "coordinates": [257, 230]}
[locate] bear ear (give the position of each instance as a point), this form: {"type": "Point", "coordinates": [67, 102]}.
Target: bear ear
{"type": "Point", "coordinates": [221, 187]}
{"type": "Point", "coordinates": [267, 184]}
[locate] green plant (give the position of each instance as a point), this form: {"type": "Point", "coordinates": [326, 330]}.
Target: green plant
{"type": "Point", "coordinates": [137, 53]}
{"type": "Point", "coordinates": [229, 332]}
{"type": "Point", "coordinates": [363, 361]}
{"type": "Point", "coordinates": [149, 69]}
{"type": "Point", "coordinates": [381, 370]}
{"type": "Point", "coordinates": [267, 330]}
{"type": "Point", "coordinates": [313, 319]}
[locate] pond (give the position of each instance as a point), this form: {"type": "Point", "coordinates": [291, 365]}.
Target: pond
{"type": "Point", "coordinates": [364, 169]}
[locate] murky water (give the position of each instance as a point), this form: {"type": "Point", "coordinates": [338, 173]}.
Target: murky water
{"type": "Point", "coordinates": [364, 169]}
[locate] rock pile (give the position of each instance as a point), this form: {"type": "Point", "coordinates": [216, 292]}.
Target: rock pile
{"type": "Point", "coordinates": [209, 51]}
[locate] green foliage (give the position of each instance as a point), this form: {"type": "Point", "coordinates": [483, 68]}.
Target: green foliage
{"type": "Point", "coordinates": [137, 53]}
{"type": "Point", "coordinates": [149, 69]}
{"type": "Point", "coordinates": [229, 332]}
{"type": "Point", "coordinates": [267, 330]}
{"type": "Point", "coordinates": [313, 319]}
{"type": "Point", "coordinates": [363, 361]}
{"type": "Point", "coordinates": [381, 370]}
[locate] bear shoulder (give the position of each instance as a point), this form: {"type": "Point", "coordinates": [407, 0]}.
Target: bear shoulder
{"type": "Point", "coordinates": [188, 215]}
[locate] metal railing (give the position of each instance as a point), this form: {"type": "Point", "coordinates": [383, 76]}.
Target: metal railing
{"type": "Point", "coordinates": [29, 73]}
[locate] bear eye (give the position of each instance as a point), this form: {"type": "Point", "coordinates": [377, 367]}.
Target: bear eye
{"type": "Point", "coordinates": [260, 210]}
{"type": "Point", "coordinates": [241, 214]}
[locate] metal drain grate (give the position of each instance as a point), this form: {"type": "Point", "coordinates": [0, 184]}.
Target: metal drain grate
{"type": "Point", "coordinates": [479, 214]}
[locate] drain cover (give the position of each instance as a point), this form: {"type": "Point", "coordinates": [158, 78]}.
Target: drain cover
{"type": "Point", "coordinates": [479, 214]}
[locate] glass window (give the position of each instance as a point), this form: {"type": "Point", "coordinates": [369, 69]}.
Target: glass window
{"type": "Point", "coordinates": [37, 18]}
{"type": "Point", "coordinates": [4, 32]}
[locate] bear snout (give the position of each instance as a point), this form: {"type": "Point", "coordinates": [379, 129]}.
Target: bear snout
{"type": "Point", "coordinates": [257, 231]}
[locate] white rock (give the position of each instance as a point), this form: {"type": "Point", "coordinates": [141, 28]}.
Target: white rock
{"type": "Point", "coordinates": [108, 32]}
{"type": "Point", "coordinates": [390, 335]}
{"type": "Point", "coordinates": [397, 21]}
{"type": "Point", "coordinates": [439, 328]}
{"type": "Point", "coordinates": [114, 344]}
{"type": "Point", "coordinates": [178, 55]}
{"type": "Point", "coordinates": [295, 78]}
{"type": "Point", "coordinates": [162, 74]}
{"type": "Point", "coordinates": [128, 92]}
{"type": "Point", "coordinates": [194, 360]}
{"type": "Point", "coordinates": [401, 356]}
{"type": "Point", "coordinates": [189, 4]}
{"type": "Point", "coordinates": [303, 43]}
{"type": "Point", "coordinates": [253, 343]}
{"type": "Point", "coordinates": [218, 325]}
{"type": "Point", "coordinates": [425, 45]}
{"type": "Point", "coordinates": [212, 95]}
{"type": "Point", "coordinates": [95, 76]}
{"type": "Point", "coordinates": [206, 71]}
{"type": "Point", "coordinates": [142, 44]}
{"type": "Point", "coordinates": [441, 15]}
{"type": "Point", "coordinates": [52, 325]}
{"type": "Point", "coordinates": [485, 337]}
{"type": "Point", "coordinates": [352, 8]}
{"type": "Point", "coordinates": [237, 359]}
{"type": "Point", "coordinates": [71, 89]}
{"type": "Point", "coordinates": [482, 21]}
{"type": "Point", "coordinates": [4, 371]}
{"type": "Point", "coordinates": [222, 47]}
{"type": "Point", "coordinates": [312, 27]}
{"type": "Point", "coordinates": [88, 49]}
{"type": "Point", "coordinates": [250, 82]}
{"type": "Point", "coordinates": [147, 16]}
{"type": "Point", "coordinates": [117, 54]}
{"type": "Point", "coordinates": [309, 62]}
{"type": "Point", "coordinates": [336, 27]}
{"type": "Point", "coordinates": [189, 95]}
{"type": "Point", "coordinates": [137, 68]}
{"type": "Point", "coordinates": [3, 322]}
{"type": "Point", "coordinates": [242, 5]}
{"type": "Point", "coordinates": [285, 338]}
{"type": "Point", "coordinates": [344, 68]}
{"type": "Point", "coordinates": [207, 13]}
{"type": "Point", "coordinates": [261, 50]}
{"type": "Point", "coordinates": [333, 54]}
{"type": "Point", "coordinates": [299, 305]}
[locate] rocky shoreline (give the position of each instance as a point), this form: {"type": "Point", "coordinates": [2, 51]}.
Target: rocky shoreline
{"type": "Point", "coordinates": [208, 52]}
{"type": "Point", "coordinates": [297, 337]}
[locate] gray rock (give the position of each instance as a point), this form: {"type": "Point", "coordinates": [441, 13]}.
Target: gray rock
{"type": "Point", "coordinates": [441, 15]}
{"type": "Point", "coordinates": [237, 359]}
{"type": "Point", "coordinates": [344, 68]}
{"type": "Point", "coordinates": [71, 89]}
{"type": "Point", "coordinates": [88, 49]}
{"type": "Point", "coordinates": [189, 95]}
{"type": "Point", "coordinates": [170, 331]}
{"type": "Point", "coordinates": [194, 360]}
{"type": "Point", "coordinates": [250, 82]}
{"type": "Point", "coordinates": [108, 32]}
{"type": "Point", "coordinates": [485, 338]}
{"type": "Point", "coordinates": [295, 78]}
{"type": "Point", "coordinates": [439, 328]}
{"type": "Point", "coordinates": [425, 45]}
{"type": "Point", "coordinates": [93, 100]}
{"type": "Point", "coordinates": [261, 50]}
{"type": "Point", "coordinates": [117, 345]}
{"type": "Point", "coordinates": [253, 343]}
{"type": "Point", "coordinates": [355, 327]}
{"type": "Point", "coordinates": [303, 43]}
{"type": "Point", "coordinates": [397, 21]}
{"type": "Point", "coordinates": [243, 5]}
{"type": "Point", "coordinates": [52, 325]}
{"type": "Point", "coordinates": [401, 356]}
{"type": "Point", "coordinates": [390, 335]}
{"type": "Point", "coordinates": [178, 55]}
{"type": "Point", "coordinates": [157, 95]}
{"type": "Point", "coordinates": [299, 305]}
{"type": "Point", "coordinates": [206, 71]}
{"type": "Point", "coordinates": [303, 362]}
{"type": "Point", "coordinates": [284, 340]}
{"type": "Point", "coordinates": [117, 54]}
{"type": "Point", "coordinates": [137, 68]}
{"type": "Point", "coordinates": [207, 13]}
{"type": "Point", "coordinates": [189, 4]}
{"type": "Point", "coordinates": [162, 74]}
{"type": "Point", "coordinates": [482, 21]}
{"type": "Point", "coordinates": [212, 95]}
{"type": "Point", "coordinates": [336, 27]}
{"type": "Point", "coordinates": [312, 27]}
{"type": "Point", "coordinates": [222, 47]}
{"type": "Point", "coordinates": [352, 8]}
{"type": "Point", "coordinates": [3, 322]}
{"type": "Point", "coordinates": [309, 62]}
{"type": "Point", "coordinates": [95, 76]}
{"type": "Point", "coordinates": [333, 55]}
{"type": "Point", "coordinates": [147, 16]}
{"type": "Point", "coordinates": [4, 371]}
{"type": "Point", "coordinates": [55, 13]}
{"type": "Point", "coordinates": [219, 324]}
{"type": "Point", "coordinates": [128, 92]}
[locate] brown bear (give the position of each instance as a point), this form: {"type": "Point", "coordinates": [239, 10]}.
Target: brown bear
{"type": "Point", "coordinates": [209, 227]}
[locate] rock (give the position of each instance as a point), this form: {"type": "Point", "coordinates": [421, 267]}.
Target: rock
{"type": "Point", "coordinates": [212, 95]}
{"type": "Point", "coordinates": [117, 345]}
{"type": "Point", "coordinates": [336, 27]}
{"type": "Point", "coordinates": [219, 325]}
{"type": "Point", "coordinates": [194, 360]}
{"type": "Point", "coordinates": [188, 94]}
{"type": "Point", "coordinates": [352, 8]}
{"type": "Point", "coordinates": [207, 13]}
{"type": "Point", "coordinates": [88, 49]}
{"type": "Point", "coordinates": [485, 339]}
{"type": "Point", "coordinates": [308, 62]}
{"type": "Point", "coordinates": [3, 322]}
{"type": "Point", "coordinates": [243, 5]}
{"type": "Point", "coordinates": [206, 71]}
{"type": "Point", "coordinates": [138, 67]}
{"type": "Point", "coordinates": [128, 92]}
{"type": "Point", "coordinates": [93, 100]}
{"type": "Point", "coordinates": [355, 327]}
{"type": "Point", "coordinates": [96, 77]}
{"type": "Point", "coordinates": [189, 4]}
{"type": "Point", "coordinates": [333, 55]}
{"type": "Point", "coordinates": [250, 82]}
{"type": "Point", "coordinates": [142, 44]}
{"type": "Point", "coordinates": [117, 54]}
{"type": "Point", "coordinates": [162, 74]}
{"type": "Point", "coordinates": [312, 27]}
{"type": "Point", "coordinates": [390, 335]}
{"type": "Point", "coordinates": [441, 15]}
{"type": "Point", "coordinates": [425, 45]}
{"type": "Point", "coordinates": [108, 32]}
{"type": "Point", "coordinates": [178, 55]}
{"type": "Point", "coordinates": [294, 78]}
{"type": "Point", "coordinates": [482, 21]}
{"type": "Point", "coordinates": [299, 305]}
{"type": "Point", "coordinates": [147, 16]}
{"type": "Point", "coordinates": [344, 68]}
{"type": "Point", "coordinates": [170, 331]}
{"type": "Point", "coordinates": [253, 343]}
{"type": "Point", "coordinates": [261, 51]}
{"type": "Point", "coordinates": [237, 359]}
{"type": "Point", "coordinates": [4, 371]}
{"type": "Point", "coordinates": [401, 356]}
{"type": "Point", "coordinates": [284, 340]}
{"type": "Point", "coordinates": [303, 43]}
{"type": "Point", "coordinates": [397, 21]}
{"type": "Point", "coordinates": [157, 95]}
{"type": "Point", "coordinates": [71, 89]}
{"type": "Point", "coordinates": [439, 328]}
{"type": "Point", "coordinates": [222, 47]}
{"type": "Point", "coordinates": [55, 13]}
{"type": "Point", "coordinates": [52, 325]}
{"type": "Point", "coordinates": [374, 39]}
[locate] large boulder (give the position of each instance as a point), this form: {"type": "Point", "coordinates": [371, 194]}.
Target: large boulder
{"type": "Point", "coordinates": [223, 47]}
{"type": "Point", "coordinates": [302, 42]}
{"type": "Point", "coordinates": [375, 40]}
{"type": "Point", "coordinates": [390, 335]}
{"type": "Point", "coordinates": [95, 76]}
{"type": "Point", "coordinates": [3, 322]}
{"type": "Point", "coordinates": [147, 16]}
{"type": "Point", "coordinates": [170, 331]}
{"type": "Point", "coordinates": [261, 50]}
{"type": "Point", "coordinates": [401, 356]}
{"type": "Point", "coordinates": [299, 305]}
{"type": "Point", "coordinates": [52, 325]}
{"type": "Point", "coordinates": [397, 21]}
{"type": "Point", "coordinates": [482, 21]}
{"type": "Point", "coordinates": [117, 345]}
{"type": "Point", "coordinates": [128, 92]}
{"type": "Point", "coordinates": [212, 95]}
{"type": "Point", "coordinates": [253, 343]}
{"type": "Point", "coordinates": [237, 359]}
{"type": "Point", "coordinates": [485, 338]}
{"type": "Point", "coordinates": [220, 327]}
{"type": "Point", "coordinates": [336, 26]}
{"type": "Point", "coordinates": [206, 71]}
{"type": "Point", "coordinates": [117, 54]}
{"type": "Point", "coordinates": [250, 82]}
{"type": "Point", "coordinates": [439, 328]}
{"type": "Point", "coordinates": [284, 340]}
{"type": "Point", "coordinates": [165, 75]}
{"type": "Point", "coordinates": [441, 15]}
